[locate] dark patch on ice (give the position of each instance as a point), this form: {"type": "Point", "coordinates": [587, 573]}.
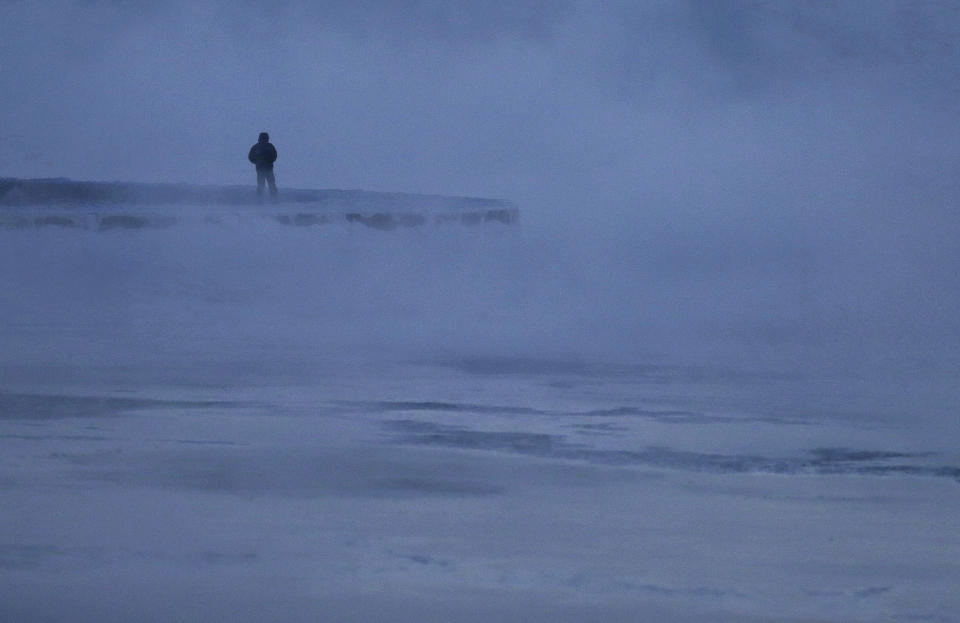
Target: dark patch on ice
{"type": "Point", "coordinates": [450, 407]}
{"type": "Point", "coordinates": [26, 556]}
{"type": "Point", "coordinates": [817, 461]}
{"type": "Point", "coordinates": [53, 406]}
{"type": "Point", "coordinates": [870, 591]}
{"type": "Point", "coordinates": [532, 366]}
{"type": "Point", "coordinates": [294, 472]}
{"type": "Point", "coordinates": [425, 485]}
{"type": "Point", "coordinates": [422, 560]}
{"type": "Point", "coordinates": [600, 429]}
{"type": "Point", "coordinates": [846, 454]}
{"type": "Point", "coordinates": [429, 433]}
{"type": "Point", "coordinates": [525, 366]}
{"type": "Point", "coordinates": [673, 416]}
{"type": "Point", "coordinates": [666, 416]}
{"type": "Point", "coordinates": [505, 216]}
{"type": "Point", "coordinates": [657, 456]}
{"type": "Point", "coordinates": [204, 442]}
{"type": "Point", "coordinates": [58, 437]}
{"type": "Point", "coordinates": [858, 593]}
{"type": "Point", "coordinates": [745, 464]}
{"type": "Point", "coordinates": [131, 221]}
{"type": "Point", "coordinates": [620, 411]}
{"type": "Point", "coordinates": [195, 558]}
{"type": "Point", "coordinates": [302, 219]}
{"type": "Point", "coordinates": [14, 221]}
{"type": "Point", "coordinates": [386, 221]}
{"type": "Point", "coordinates": [55, 220]}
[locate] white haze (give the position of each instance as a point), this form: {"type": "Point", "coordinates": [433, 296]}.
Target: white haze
{"type": "Point", "coordinates": [755, 200]}
{"type": "Point", "coordinates": [780, 172]}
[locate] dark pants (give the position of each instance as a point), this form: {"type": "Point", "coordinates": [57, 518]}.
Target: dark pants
{"type": "Point", "coordinates": [265, 176]}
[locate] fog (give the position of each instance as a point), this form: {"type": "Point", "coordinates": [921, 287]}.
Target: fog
{"type": "Point", "coordinates": [545, 102]}
{"type": "Point", "coordinates": [765, 183]}
{"type": "Point", "coordinates": [822, 137]}
{"type": "Point", "coordinates": [733, 287]}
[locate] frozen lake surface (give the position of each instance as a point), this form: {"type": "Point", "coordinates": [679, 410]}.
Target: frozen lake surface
{"type": "Point", "coordinates": [245, 421]}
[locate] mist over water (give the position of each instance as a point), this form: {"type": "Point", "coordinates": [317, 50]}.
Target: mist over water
{"type": "Point", "coordinates": [728, 309]}
{"type": "Point", "coordinates": [265, 303]}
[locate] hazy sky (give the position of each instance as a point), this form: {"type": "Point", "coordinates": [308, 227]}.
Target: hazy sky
{"type": "Point", "coordinates": [540, 101]}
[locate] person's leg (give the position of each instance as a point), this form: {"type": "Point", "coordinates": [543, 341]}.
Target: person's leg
{"type": "Point", "coordinates": [261, 178]}
{"type": "Point", "coordinates": [271, 180]}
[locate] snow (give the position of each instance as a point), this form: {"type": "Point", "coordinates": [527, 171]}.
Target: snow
{"type": "Point", "coordinates": [260, 422]}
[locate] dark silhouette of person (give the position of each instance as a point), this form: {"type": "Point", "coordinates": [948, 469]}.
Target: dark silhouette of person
{"type": "Point", "coordinates": [263, 155]}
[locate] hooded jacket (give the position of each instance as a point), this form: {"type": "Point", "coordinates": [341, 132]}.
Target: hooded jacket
{"type": "Point", "coordinates": [263, 154]}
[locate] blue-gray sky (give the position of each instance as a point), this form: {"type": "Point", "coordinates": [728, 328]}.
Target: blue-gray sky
{"type": "Point", "coordinates": [535, 100]}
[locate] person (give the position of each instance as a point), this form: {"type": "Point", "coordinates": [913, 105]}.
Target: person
{"type": "Point", "coordinates": [263, 155]}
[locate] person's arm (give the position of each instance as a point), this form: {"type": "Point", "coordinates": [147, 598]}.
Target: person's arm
{"type": "Point", "coordinates": [251, 156]}
{"type": "Point", "coordinates": [272, 155]}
